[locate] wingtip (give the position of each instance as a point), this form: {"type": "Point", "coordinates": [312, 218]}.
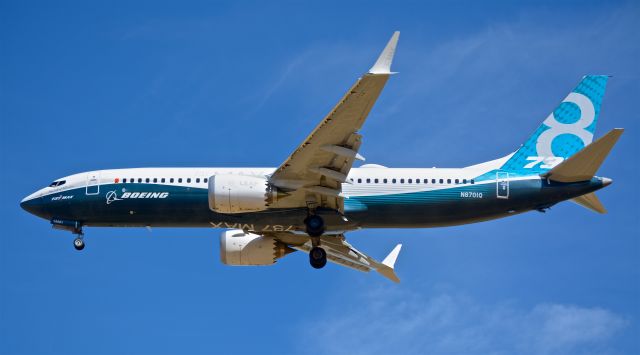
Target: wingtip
{"type": "Point", "coordinates": [383, 64]}
{"type": "Point", "coordinates": [390, 260]}
{"type": "Point", "coordinates": [386, 267]}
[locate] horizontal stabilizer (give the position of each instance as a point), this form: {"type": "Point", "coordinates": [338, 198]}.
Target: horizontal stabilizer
{"type": "Point", "coordinates": [584, 164]}
{"type": "Point", "coordinates": [590, 201]}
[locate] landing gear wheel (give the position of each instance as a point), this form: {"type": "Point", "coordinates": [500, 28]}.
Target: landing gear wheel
{"type": "Point", "coordinates": [317, 257]}
{"type": "Point", "coordinates": [315, 225]}
{"type": "Point", "coordinates": [78, 243]}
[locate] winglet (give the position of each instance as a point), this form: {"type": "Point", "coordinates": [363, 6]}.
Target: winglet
{"type": "Point", "coordinates": [390, 260]}
{"type": "Point", "coordinates": [383, 64]}
{"type": "Point", "coordinates": [386, 267]}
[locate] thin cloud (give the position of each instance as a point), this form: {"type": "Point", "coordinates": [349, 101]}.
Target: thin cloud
{"type": "Point", "coordinates": [388, 321]}
{"type": "Point", "coordinates": [442, 85]}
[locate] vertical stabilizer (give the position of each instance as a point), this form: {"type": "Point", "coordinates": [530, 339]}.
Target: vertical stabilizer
{"type": "Point", "coordinates": [568, 129]}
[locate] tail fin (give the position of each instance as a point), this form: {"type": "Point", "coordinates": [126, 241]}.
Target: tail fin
{"type": "Point", "coordinates": [584, 165]}
{"type": "Point", "coordinates": [568, 129]}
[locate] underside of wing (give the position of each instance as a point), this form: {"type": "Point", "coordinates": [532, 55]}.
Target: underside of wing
{"type": "Point", "coordinates": [340, 252]}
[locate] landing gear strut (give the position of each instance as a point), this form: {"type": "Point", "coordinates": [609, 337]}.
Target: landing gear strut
{"type": "Point", "coordinates": [315, 229]}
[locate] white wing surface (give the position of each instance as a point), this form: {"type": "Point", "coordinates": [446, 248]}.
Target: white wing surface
{"type": "Point", "coordinates": [312, 175]}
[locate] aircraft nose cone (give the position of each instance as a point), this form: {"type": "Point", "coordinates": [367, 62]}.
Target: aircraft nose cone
{"type": "Point", "coordinates": [33, 205]}
{"type": "Point", "coordinates": [606, 181]}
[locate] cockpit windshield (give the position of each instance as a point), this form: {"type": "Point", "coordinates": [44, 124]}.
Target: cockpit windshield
{"type": "Point", "coordinates": [57, 183]}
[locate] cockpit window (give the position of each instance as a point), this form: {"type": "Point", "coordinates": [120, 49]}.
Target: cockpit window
{"type": "Point", "coordinates": [57, 183]}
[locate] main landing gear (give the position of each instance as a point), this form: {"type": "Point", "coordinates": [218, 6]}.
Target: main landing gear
{"type": "Point", "coordinates": [317, 258]}
{"type": "Point", "coordinates": [315, 228]}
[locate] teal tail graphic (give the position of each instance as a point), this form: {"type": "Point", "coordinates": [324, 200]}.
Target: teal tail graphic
{"type": "Point", "coordinates": [568, 129]}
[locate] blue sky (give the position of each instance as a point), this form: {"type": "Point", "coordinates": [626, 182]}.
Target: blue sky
{"type": "Point", "coordinates": [129, 84]}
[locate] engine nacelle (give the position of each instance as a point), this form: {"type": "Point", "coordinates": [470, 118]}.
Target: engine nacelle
{"type": "Point", "coordinates": [240, 248]}
{"type": "Point", "coordinates": [240, 193]}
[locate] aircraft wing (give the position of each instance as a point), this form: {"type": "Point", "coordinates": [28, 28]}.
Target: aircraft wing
{"type": "Point", "coordinates": [340, 252]}
{"type": "Point", "coordinates": [314, 172]}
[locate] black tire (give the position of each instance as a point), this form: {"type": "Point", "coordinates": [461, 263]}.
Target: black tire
{"type": "Point", "coordinates": [317, 258]}
{"type": "Point", "coordinates": [78, 244]}
{"type": "Point", "coordinates": [315, 225]}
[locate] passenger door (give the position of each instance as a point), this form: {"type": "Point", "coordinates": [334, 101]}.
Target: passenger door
{"type": "Point", "coordinates": [93, 183]}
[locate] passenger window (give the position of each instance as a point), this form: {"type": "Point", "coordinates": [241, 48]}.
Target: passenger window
{"type": "Point", "coordinates": [155, 179]}
{"type": "Point", "coordinates": [179, 179]}
{"type": "Point", "coordinates": [457, 181]}
{"type": "Point", "coordinates": [198, 180]}
{"type": "Point", "coordinates": [384, 180]}
{"type": "Point", "coordinates": [410, 180]}
{"type": "Point", "coordinates": [124, 181]}
{"type": "Point", "coordinates": [402, 181]}
{"type": "Point", "coordinates": [448, 181]}
{"type": "Point", "coordinates": [171, 180]}
{"type": "Point", "coordinates": [206, 180]}
{"type": "Point", "coordinates": [359, 181]}
{"type": "Point", "coordinates": [426, 181]}
{"type": "Point", "coordinates": [417, 181]}
{"type": "Point", "coordinates": [393, 181]}
{"type": "Point", "coordinates": [162, 180]}
{"type": "Point", "coordinates": [368, 181]}
{"type": "Point", "coordinates": [139, 179]}
{"type": "Point", "coordinates": [441, 181]}
{"type": "Point", "coordinates": [472, 182]}
{"type": "Point", "coordinates": [147, 180]}
{"type": "Point", "coordinates": [188, 180]}
{"type": "Point", "coordinates": [464, 181]}
{"type": "Point", "coordinates": [376, 181]}
{"type": "Point", "coordinates": [433, 181]}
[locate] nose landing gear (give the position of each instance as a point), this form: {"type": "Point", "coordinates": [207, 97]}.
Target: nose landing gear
{"type": "Point", "coordinates": [78, 243]}
{"type": "Point", "coordinates": [74, 227]}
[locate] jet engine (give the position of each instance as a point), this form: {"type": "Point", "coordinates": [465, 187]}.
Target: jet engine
{"type": "Point", "coordinates": [230, 193]}
{"type": "Point", "coordinates": [240, 248]}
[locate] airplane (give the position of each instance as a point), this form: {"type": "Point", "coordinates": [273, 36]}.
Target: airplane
{"type": "Point", "coordinates": [316, 196]}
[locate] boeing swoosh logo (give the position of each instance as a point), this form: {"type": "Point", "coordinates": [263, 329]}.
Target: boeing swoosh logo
{"type": "Point", "coordinates": [112, 196]}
